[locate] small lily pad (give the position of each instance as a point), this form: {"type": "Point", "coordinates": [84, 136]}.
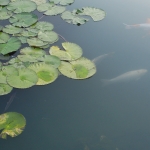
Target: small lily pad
{"type": "Point", "coordinates": [46, 73]}
{"type": "Point", "coordinates": [12, 124]}
{"type": "Point", "coordinates": [5, 89]}
{"type": "Point", "coordinates": [24, 79]}
{"type": "Point", "coordinates": [5, 14]}
{"type": "Point", "coordinates": [62, 2]}
{"type": "Point", "coordinates": [11, 29]}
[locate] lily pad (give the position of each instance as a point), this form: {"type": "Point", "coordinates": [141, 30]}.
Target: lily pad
{"type": "Point", "coordinates": [73, 51]}
{"type": "Point", "coordinates": [50, 59]}
{"type": "Point", "coordinates": [39, 2]}
{"type": "Point", "coordinates": [25, 78]}
{"type": "Point", "coordinates": [32, 51]}
{"type": "Point", "coordinates": [48, 36]}
{"type": "Point", "coordinates": [96, 13]}
{"type": "Point", "coordinates": [44, 26]}
{"type": "Point", "coordinates": [4, 37]}
{"type": "Point", "coordinates": [46, 73]}
{"type": "Point", "coordinates": [62, 2]}
{"type": "Point", "coordinates": [4, 2]}
{"type": "Point", "coordinates": [22, 6]}
{"type": "Point", "coordinates": [28, 58]}
{"type": "Point", "coordinates": [23, 19]}
{"type": "Point", "coordinates": [12, 124]}
{"type": "Point", "coordinates": [13, 44]}
{"type": "Point", "coordinates": [81, 68]}
{"type": "Point", "coordinates": [73, 18]}
{"type": "Point", "coordinates": [5, 89]}
{"type": "Point", "coordinates": [50, 9]}
{"type": "Point", "coordinates": [5, 14]}
{"type": "Point", "coordinates": [11, 29]}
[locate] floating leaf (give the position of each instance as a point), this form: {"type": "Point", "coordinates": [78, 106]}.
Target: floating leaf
{"type": "Point", "coordinates": [32, 51]}
{"type": "Point", "coordinates": [11, 29]}
{"type": "Point", "coordinates": [13, 44]}
{"type": "Point", "coordinates": [22, 6]}
{"type": "Point", "coordinates": [22, 39]}
{"type": "Point", "coordinates": [12, 124]}
{"type": "Point", "coordinates": [36, 42]}
{"type": "Point", "coordinates": [25, 78]}
{"type": "Point", "coordinates": [39, 2]}
{"type": "Point", "coordinates": [4, 37]}
{"type": "Point", "coordinates": [4, 89]}
{"type": "Point", "coordinates": [81, 68]}
{"type": "Point", "coordinates": [73, 51]}
{"type": "Point", "coordinates": [28, 58]}
{"type": "Point", "coordinates": [23, 19]}
{"type": "Point", "coordinates": [62, 2]}
{"type": "Point", "coordinates": [50, 59]}
{"type": "Point", "coordinates": [48, 36]}
{"type": "Point", "coordinates": [46, 73]}
{"type": "Point", "coordinates": [5, 14]}
{"type": "Point", "coordinates": [44, 26]}
{"type": "Point", "coordinates": [4, 2]}
{"type": "Point", "coordinates": [50, 9]}
{"type": "Point", "coordinates": [95, 13]}
{"type": "Point", "coordinates": [73, 18]}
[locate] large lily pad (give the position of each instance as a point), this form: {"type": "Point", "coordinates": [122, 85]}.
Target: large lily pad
{"type": "Point", "coordinates": [4, 37]}
{"type": "Point", "coordinates": [50, 9]}
{"type": "Point", "coordinates": [73, 51]}
{"type": "Point", "coordinates": [46, 73]}
{"type": "Point", "coordinates": [12, 124]}
{"type": "Point", "coordinates": [24, 79]}
{"type": "Point", "coordinates": [23, 19]}
{"type": "Point", "coordinates": [81, 68]}
{"type": "Point", "coordinates": [22, 6]}
{"type": "Point", "coordinates": [13, 44]}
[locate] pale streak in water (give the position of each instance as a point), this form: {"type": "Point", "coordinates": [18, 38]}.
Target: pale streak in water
{"type": "Point", "coordinates": [10, 101]}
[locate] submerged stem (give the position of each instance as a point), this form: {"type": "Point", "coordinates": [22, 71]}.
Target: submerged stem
{"type": "Point", "coordinates": [62, 37]}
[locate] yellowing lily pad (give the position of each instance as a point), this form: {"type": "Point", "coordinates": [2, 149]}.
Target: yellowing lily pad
{"type": "Point", "coordinates": [46, 73]}
{"type": "Point", "coordinates": [81, 68]}
{"type": "Point", "coordinates": [12, 124]}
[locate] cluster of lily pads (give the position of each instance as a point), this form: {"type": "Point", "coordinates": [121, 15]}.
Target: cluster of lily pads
{"type": "Point", "coordinates": [34, 66]}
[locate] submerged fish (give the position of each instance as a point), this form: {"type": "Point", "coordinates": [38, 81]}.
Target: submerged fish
{"type": "Point", "coordinates": [101, 57]}
{"type": "Point", "coordinates": [128, 76]}
{"type": "Point", "coordinates": [142, 25]}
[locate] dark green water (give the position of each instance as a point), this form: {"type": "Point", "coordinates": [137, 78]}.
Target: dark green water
{"type": "Point", "coordinates": [82, 114]}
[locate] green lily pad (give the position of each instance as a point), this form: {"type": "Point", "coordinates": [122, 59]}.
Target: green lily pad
{"type": "Point", "coordinates": [73, 18]}
{"type": "Point", "coordinates": [50, 59]}
{"type": "Point", "coordinates": [95, 13]}
{"type": "Point", "coordinates": [22, 39]}
{"type": "Point", "coordinates": [81, 68]}
{"type": "Point", "coordinates": [4, 2]}
{"type": "Point", "coordinates": [36, 42]}
{"type": "Point", "coordinates": [48, 36]}
{"type": "Point", "coordinates": [44, 26]}
{"type": "Point", "coordinates": [46, 73]}
{"type": "Point", "coordinates": [12, 124]}
{"type": "Point", "coordinates": [32, 51]}
{"type": "Point", "coordinates": [22, 6]}
{"type": "Point", "coordinates": [39, 2]}
{"type": "Point", "coordinates": [4, 89]}
{"type": "Point", "coordinates": [23, 19]}
{"type": "Point", "coordinates": [13, 44]}
{"type": "Point", "coordinates": [50, 9]}
{"type": "Point", "coordinates": [11, 29]}
{"type": "Point", "coordinates": [4, 37]}
{"type": "Point", "coordinates": [73, 51]}
{"type": "Point", "coordinates": [5, 14]}
{"type": "Point", "coordinates": [25, 78]}
{"type": "Point", "coordinates": [28, 58]}
{"type": "Point", "coordinates": [62, 2]}
{"type": "Point", "coordinates": [9, 70]}
{"type": "Point", "coordinates": [4, 57]}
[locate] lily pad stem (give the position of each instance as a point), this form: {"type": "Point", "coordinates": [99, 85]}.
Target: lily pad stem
{"type": "Point", "coordinates": [62, 37]}
{"type": "Point", "coordinates": [41, 17]}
